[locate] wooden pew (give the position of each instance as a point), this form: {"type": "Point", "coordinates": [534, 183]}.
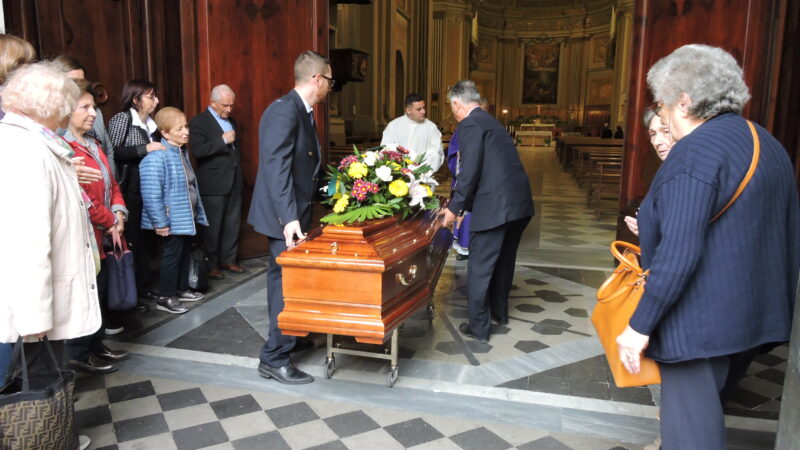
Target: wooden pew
{"type": "Point", "coordinates": [565, 143]}
{"type": "Point", "coordinates": [584, 157]}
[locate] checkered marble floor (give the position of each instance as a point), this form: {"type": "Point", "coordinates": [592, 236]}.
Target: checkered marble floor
{"type": "Point", "coordinates": [540, 383]}
{"type": "Point", "coordinates": [122, 411]}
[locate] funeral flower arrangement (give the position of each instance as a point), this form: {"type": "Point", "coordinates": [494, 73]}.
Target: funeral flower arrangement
{"type": "Point", "coordinates": [379, 182]}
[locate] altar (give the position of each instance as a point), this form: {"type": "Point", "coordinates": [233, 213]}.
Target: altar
{"type": "Point", "coordinates": [363, 280]}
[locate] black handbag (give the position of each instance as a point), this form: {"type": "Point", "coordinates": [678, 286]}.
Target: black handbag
{"type": "Point", "coordinates": [38, 410]}
{"type": "Point", "coordinates": [118, 263]}
{"type": "Point", "coordinates": [198, 270]}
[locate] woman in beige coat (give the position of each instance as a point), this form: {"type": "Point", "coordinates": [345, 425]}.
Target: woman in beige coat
{"type": "Point", "coordinates": [48, 268]}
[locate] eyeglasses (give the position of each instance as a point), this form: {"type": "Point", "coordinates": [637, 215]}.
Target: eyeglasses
{"type": "Point", "coordinates": [330, 80]}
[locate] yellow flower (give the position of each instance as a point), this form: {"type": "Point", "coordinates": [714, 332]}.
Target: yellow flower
{"type": "Point", "coordinates": [428, 190]}
{"type": "Point", "coordinates": [341, 204]}
{"type": "Point", "coordinates": [398, 188]}
{"type": "Point", "coordinates": [394, 165]}
{"type": "Point", "coordinates": [357, 170]}
{"type": "Point", "coordinates": [408, 161]}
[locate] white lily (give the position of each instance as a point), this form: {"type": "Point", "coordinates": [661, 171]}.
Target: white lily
{"type": "Point", "coordinates": [418, 193]}
{"type": "Point", "coordinates": [391, 146]}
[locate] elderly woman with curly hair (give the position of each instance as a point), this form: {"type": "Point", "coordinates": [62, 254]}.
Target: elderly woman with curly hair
{"type": "Point", "coordinates": [719, 292]}
{"type": "Point", "coordinates": [49, 283]}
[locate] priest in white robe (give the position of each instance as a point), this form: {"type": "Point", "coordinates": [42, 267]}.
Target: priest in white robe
{"type": "Point", "coordinates": [417, 134]}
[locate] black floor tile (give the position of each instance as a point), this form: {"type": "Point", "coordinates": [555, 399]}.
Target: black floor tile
{"type": "Point", "coordinates": [748, 399]}
{"type": "Point", "coordinates": [181, 399]}
{"type": "Point", "coordinates": [272, 441]}
{"type": "Point", "coordinates": [480, 439]}
{"type": "Point", "coordinates": [590, 389]}
{"type": "Point", "coordinates": [350, 424]}
{"type": "Point", "coordinates": [551, 385]}
{"type": "Point", "coordinates": [638, 395]}
{"type": "Point", "coordinates": [289, 415]}
{"type": "Point", "coordinates": [519, 383]}
{"type": "Point", "coordinates": [545, 443]}
{"type": "Point", "coordinates": [227, 333]}
{"type": "Point", "coordinates": [774, 375]}
{"type": "Point", "coordinates": [413, 432]}
{"type": "Point", "coordinates": [768, 359]}
{"type": "Point", "coordinates": [231, 407]}
{"type": "Point", "coordinates": [590, 372]}
{"type": "Point", "coordinates": [334, 445]}
{"type": "Point", "coordinates": [130, 391]}
{"type": "Point", "coordinates": [92, 417]}
{"type": "Point", "coordinates": [199, 436]}
{"type": "Point", "coordinates": [140, 427]}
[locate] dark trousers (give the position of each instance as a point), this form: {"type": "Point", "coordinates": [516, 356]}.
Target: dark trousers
{"type": "Point", "coordinates": [490, 272]}
{"type": "Point", "coordinates": [275, 351]}
{"type": "Point", "coordinates": [79, 349]}
{"type": "Point", "coordinates": [175, 265]}
{"type": "Point", "coordinates": [141, 242]}
{"type": "Point", "coordinates": [691, 400]}
{"type": "Point", "coordinates": [39, 361]}
{"type": "Point", "coordinates": [221, 237]}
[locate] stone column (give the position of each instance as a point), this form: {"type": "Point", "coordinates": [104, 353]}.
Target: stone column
{"type": "Point", "coordinates": [789, 424]}
{"type": "Point", "coordinates": [622, 62]}
{"type": "Point", "coordinates": [452, 24]}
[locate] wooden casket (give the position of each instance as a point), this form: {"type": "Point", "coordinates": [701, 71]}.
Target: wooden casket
{"type": "Point", "coordinates": [362, 280]}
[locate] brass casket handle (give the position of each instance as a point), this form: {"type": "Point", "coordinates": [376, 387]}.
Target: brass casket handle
{"type": "Point", "coordinates": [412, 273]}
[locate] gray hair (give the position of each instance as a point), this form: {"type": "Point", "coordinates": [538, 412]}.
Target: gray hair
{"type": "Point", "coordinates": [465, 91]}
{"type": "Point", "coordinates": [648, 117]}
{"type": "Point", "coordinates": [710, 76]}
{"type": "Point", "coordinates": [41, 90]}
{"type": "Point", "coordinates": [221, 90]}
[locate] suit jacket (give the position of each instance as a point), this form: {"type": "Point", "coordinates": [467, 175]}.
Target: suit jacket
{"type": "Point", "coordinates": [218, 164]}
{"type": "Point", "coordinates": [492, 182]}
{"type": "Point", "coordinates": [288, 167]}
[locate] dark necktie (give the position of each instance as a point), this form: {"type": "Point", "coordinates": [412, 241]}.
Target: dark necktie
{"type": "Point", "coordinates": [313, 123]}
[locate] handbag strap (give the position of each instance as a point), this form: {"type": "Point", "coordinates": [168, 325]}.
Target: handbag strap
{"type": "Point", "coordinates": [19, 354]}
{"type": "Point", "coordinates": [748, 175]}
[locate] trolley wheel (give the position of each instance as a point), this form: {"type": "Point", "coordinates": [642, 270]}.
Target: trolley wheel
{"type": "Point", "coordinates": [430, 312]}
{"type": "Point", "coordinates": [330, 366]}
{"type": "Point", "coordinates": [391, 379]}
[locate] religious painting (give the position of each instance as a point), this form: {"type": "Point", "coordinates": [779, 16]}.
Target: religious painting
{"type": "Point", "coordinates": [600, 51]}
{"type": "Point", "coordinates": [486, 51]}
{"type": "Point", "coordinates": [540, 77]}
{"type": "Point", "coordinates": [599, 87]}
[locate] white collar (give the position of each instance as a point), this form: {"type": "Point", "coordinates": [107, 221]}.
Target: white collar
{"type": "Point", "coordinates": [150, 127]}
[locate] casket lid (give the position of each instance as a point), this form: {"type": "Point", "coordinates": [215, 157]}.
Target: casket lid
{"type": "Point", "coordinates": [371, 246]}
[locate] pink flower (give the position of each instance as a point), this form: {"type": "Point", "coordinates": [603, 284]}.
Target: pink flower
{"type": "Point", "coordinates": [402, 150]}
{"type": "Point", "coordinates": [346, 161]}
{"type": "Point", "coordinates": [361, 188]}
{"type": "Point", "coordinates": [393, 155]}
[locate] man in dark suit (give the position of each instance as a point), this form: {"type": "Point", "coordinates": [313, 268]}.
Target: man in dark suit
{"type": "Point", "coordinates": [493, 185]}
{"type": "Point", "coordinates": [287, 182]}
{"type": "Point", "coordinates": [213, 142]}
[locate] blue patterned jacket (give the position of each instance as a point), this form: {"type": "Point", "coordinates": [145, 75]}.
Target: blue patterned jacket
{"type": "Point", "coordinates": [165, 193]}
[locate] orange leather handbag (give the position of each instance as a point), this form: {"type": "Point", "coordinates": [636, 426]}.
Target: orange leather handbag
{"type": "Point", "coordinates": [619, 296]}
{"type": "Point", "coordinates": [617, 300]}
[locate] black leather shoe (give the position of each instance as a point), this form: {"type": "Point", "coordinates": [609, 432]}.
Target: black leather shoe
{"type": "Point", "coordinates": [461, 257]}
{"type": "Point", "coordinates": [92, 364]}
{"type": "Point", "coordinates": [301, 345]}
{"type": "Point", "coordinates": [113, 355]}
{"type": "Point", "coordinates": [500, 321]}
{"type": "Point", "coordinates": [464, 329]}
{"type": "Point", "coordinates": [287, 374]}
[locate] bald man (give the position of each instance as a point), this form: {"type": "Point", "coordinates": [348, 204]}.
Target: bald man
{"type": "Point", "coordinates": [215, 145]}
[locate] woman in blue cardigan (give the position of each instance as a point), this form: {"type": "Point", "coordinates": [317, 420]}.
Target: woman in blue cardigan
{"type": "Point", "coordinates": [172, 207]}
{"type": "Point", "coordinates": [717, 293]}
